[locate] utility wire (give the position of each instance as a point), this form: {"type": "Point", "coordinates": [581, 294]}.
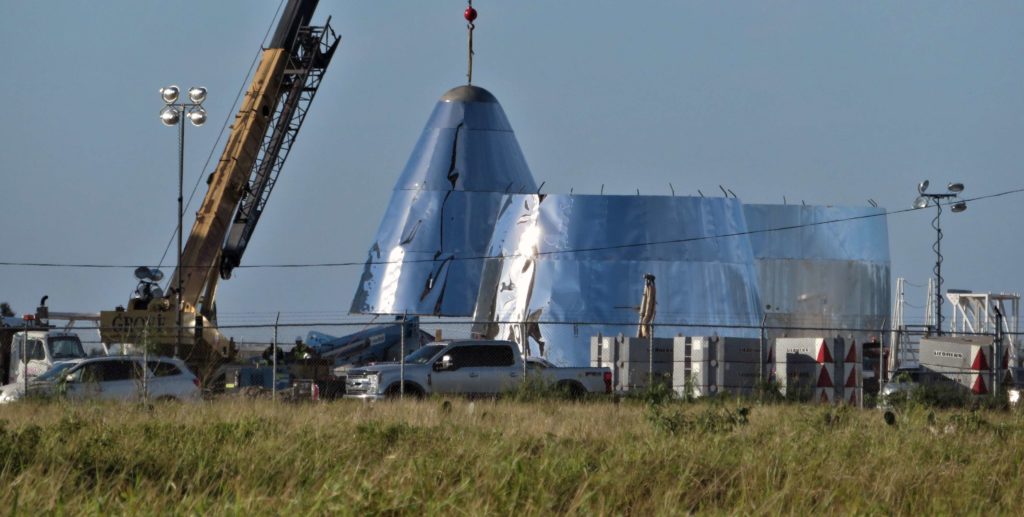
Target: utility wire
{"type": "Point", "coordinates": [540, 253]}
{"type": "Point", "coordinates": [466, 323]}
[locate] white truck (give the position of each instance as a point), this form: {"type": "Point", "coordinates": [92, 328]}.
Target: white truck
{"type": "Point", "coordinates": [35, 351]}
{"type": "Point", "coordinates": [469, 367]}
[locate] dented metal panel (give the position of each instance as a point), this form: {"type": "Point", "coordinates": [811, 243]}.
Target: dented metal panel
{"type": "Point", "coordinates": [583, 259]}
{"type": "Point", "coordinates": [423, 259]}
{"type": "Point", "coordinates": [439, 222]}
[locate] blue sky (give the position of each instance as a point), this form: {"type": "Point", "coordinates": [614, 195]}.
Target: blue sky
{"type": "Point", "coordinates": [827, 102]}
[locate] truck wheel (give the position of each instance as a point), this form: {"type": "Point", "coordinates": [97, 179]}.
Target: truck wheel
{"type": "Point", "coordinates": [411, 390]}
{"type": "Point", "coordinates": [573, 390]}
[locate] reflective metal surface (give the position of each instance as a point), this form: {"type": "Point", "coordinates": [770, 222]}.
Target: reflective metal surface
{"type": "Point", "coordinates": [466, 234]}
{"type": "Point", "coordinates": [441, 216]}
{"type": "Point", "coordinates": [468, 145]}
{"type": "Point", "coordinates": [422, 261]}
{"type": "Point", "coordinates": [831, 272]}
{"type": "Point", "coordinates": [582, 259]}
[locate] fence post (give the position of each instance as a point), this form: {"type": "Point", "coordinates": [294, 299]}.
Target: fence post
{"type": "Point", "coordinates": [650, 357]}
{"type": "Point", "coordinates": [24, 357]}
{"type": "Point", "coordinates": [883, 365]}
{"type": "Point", "coordinates": [145, 363]}
{"type": "Point", "coordinates": [273, 373]}
{"type": "Point", "coordinates": [523, 329]}
{"type": "Point", "coordinates": [760, 351]}
{"type": "Point", "coordinates": [401, 360]}
{"type": "Point", "coordinates": [997, 361]}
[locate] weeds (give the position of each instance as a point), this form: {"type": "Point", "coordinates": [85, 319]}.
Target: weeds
{"type": "Point", "coordinates": [534, 388]}
{"type": "Point", "coordinates": [381, 435]}
{"type": "Point", "coordinates": [659, 457]}
{"type": "Point", "coordinates": [768, 390]}
{"type": "Point", "coordinates": [655, 394]}
{"type": "Point", "coordinates": [945, 396]}
{"type": "Point", "coordinates": [676, 420]}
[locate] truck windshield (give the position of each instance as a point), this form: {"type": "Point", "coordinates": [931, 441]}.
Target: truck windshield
{"type": "Point", "coordinates": [66, 347]}
{"type": "Point", "coordinates": [424, 354]}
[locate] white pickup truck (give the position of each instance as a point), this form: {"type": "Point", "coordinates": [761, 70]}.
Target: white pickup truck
{"type": "Point", "coordinates": [469, 367]}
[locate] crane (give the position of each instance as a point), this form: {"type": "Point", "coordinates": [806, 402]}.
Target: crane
{"type": "Point", "coordinates": [275, 105]}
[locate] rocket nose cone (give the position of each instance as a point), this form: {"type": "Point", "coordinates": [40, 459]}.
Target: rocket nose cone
{"type": "Point", "coordinates": [468, 93]}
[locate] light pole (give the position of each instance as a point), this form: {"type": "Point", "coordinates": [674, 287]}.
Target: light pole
{"type": "Point", "coordinates": [175, 113]}
{"type": "Point", "coordinates": [923, 200]}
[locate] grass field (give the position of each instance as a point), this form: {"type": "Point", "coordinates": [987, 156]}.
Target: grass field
{"type": "Point", "coordinates": [486, 457]}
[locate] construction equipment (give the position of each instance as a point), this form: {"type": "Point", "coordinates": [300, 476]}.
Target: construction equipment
{"type": "Point", "coordinates": [317, 368]}
{"type": "Point", "coordinates": [273, 110]}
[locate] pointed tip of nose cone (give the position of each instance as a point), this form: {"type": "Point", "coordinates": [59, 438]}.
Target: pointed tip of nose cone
{"type": "Point", "coordinates": [468, 93]}
{"type": "Point", "coordinates": [471, 107]}
{"type": "Point", "coordinates": [467, 144]}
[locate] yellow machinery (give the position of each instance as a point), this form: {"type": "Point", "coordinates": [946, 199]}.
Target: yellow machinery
{"type": "Point", "coordinates": [274, 107]}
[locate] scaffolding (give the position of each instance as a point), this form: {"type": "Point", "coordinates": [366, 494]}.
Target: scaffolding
{"type": "Point", "coordinates": [976, 313]}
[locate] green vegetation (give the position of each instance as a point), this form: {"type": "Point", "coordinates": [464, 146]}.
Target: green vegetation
{"type": "Point", "coordinates": [948, 396]}
{"type": "Point", "coordinates": [501, 457]}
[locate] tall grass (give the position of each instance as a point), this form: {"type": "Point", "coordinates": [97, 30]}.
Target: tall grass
{"type": "Point", "coordinates": [504, 457]}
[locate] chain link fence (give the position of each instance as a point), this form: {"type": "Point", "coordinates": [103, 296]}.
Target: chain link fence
{"type": "Point", "coordinates": [689, 359]}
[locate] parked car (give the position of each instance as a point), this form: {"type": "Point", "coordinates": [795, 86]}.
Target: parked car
{"type": "Point", "coordinates": [111, 378]}
{"type": "Point", "coordinates": [468, 367]}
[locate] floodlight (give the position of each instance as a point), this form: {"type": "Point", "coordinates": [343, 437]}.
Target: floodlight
{"type": "Point", "coordinates": [197, 116]}
{"type": "Point", "coordinates": [169, 94]}
{"type": "Point", "coordinates": [959, 207]}
{"type": "Point", "coordinates": [920, 202]}
{"type": "Point", "coordinates": [956, 187]}
{"type": "Point", "coordinates": [169, 116]}
{"type": "Point", "coordinates": [147, 273]}
{"type": "Point", "coordinates": [921, 187]}
{"type": "Point", "coordinates": [197, 94]}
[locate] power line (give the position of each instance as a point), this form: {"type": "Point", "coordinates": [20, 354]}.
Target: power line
{"type": "Point", "coordinates": [467, 323]}
{"type": "Point", "coordinates": [540, 253]}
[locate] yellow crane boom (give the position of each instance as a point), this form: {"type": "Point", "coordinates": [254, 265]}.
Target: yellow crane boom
{"type": "Point", "coordinates": [272, 111]}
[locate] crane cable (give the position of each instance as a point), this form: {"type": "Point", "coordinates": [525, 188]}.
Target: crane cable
{"type": "Point", "coordinates": [470, 15]}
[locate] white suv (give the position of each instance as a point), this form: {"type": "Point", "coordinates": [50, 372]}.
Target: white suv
{"type": "Point", "coordinates": [114, 378]}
